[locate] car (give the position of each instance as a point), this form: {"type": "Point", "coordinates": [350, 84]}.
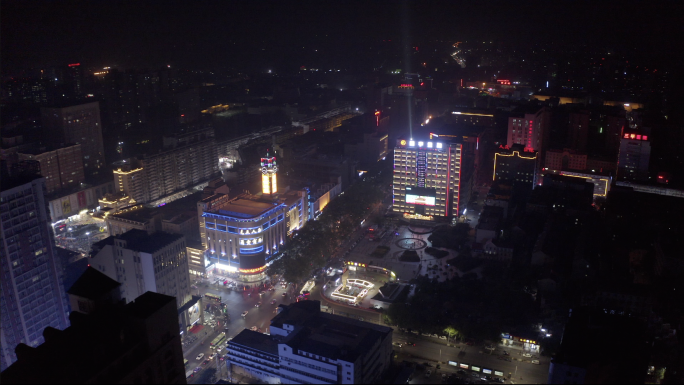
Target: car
{"type": "Point", "coordinates": [253, 328]}
{"type": "Point", "coordinates": [244, 313]}
{"type": "Point", "coordinates": [258, 304]}
{"type": "Point", "coordinates": [536, 362]}
{"type": "Point", "coordinates": [410, 343]}
{"type": "Point", "coordinates": [197, 369]}
{"type": "Point", "coordinates": [528, 355]}
{"type": "Point", "coordinates": [397, 344]}
{"type": "Point", "coordinates": [428, 373]}
{"type": "Point", "coordinates": [205, 362]}
{"type": "Point", "coordinates": [273, 302]}
{"type": "Point", "coordinates": [199, 356]}
{"type": "Point", "coordinates": [211, 357]}
{"type": "Point", "coordinates": [284, 294]}
{"type": "Point", "coordinates": [271, 288]}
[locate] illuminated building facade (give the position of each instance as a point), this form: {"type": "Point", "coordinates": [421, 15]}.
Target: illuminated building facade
{"type": "Point", "coordinates": [269, 169]}
{"type": "Point", "coordinates": [517, 165]}
{"type": "Point", "coordinates": [635, 153]}
{"type": "Point", "coordinates": [239, 235]}
{"type": "Point", "coordinates": [531, 130]}
{"type": "Point", "coordinates": [427, 178]}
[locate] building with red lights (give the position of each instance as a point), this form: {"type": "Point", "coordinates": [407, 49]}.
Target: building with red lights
{"type": "Point", "coordinates": [635, 153]}
{"type": "Point", "coordinates": [529, 128]}
{"type": "Point", "coordinates": [427, 178]}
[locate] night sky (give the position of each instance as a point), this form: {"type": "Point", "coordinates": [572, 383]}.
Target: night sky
{"type": "Point", "coordinates": [205, 34]}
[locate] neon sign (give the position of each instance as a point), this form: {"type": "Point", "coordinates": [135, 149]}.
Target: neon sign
{"type": "Point", "coordinates": [74, 65]}
{"type": "Point", "coordinates": [504, 82]}
{"type": "Point", "coordinates": [635, 136]}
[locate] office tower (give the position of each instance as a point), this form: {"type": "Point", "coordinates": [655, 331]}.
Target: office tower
{"type": "Point", "coordinates": [427, 178]}
{"type": "Point", "coordinates": [306, 346]}
{"type": "Point", "coordinates": [578, 130]}
{"type": "Point", "coordinates": [77, 124]}
{"type": "Point", "coordinates": [240, 234]}
{"type": "Point", "coordinates": [530, 128]}
{"type": "Point", "coordinates": [136, 343]}
{"type": "Point", "coordinates": [61, 167]}
{"type": "Point", "coordinates": [517, 165]}
{"type": "Point", "coordinates": [144, 262]}
{"type": "Point", "coordinates": [32, 293]}
{"type": "Point", "coordinates": [635, 153]}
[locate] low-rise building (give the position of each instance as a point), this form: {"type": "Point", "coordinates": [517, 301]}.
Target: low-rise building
{"type": "Point", "coordinates": [306, 345]}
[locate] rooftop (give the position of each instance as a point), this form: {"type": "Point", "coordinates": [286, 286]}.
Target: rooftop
{"type": "Point", "coordinates": [256, 340]}
{"type": "Point", "coordinates": [142, 215]}
{"type": "Point", "coordinates": [244, 207]}
{"type": "Point", "coordinates": [93, 285]}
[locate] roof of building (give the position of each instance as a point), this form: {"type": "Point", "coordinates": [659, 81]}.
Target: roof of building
{"type": "Point", "coordinates": [147, 304]}
{"type": "Point", "coordinates": [245, 207]}
{"type": "Point", "coordinates": [93, 285]}
{"type": "Point", "coordinates": [328, 335]}
{"type": "Point", "coordinates": [257, 341]}
{"type": "Point", "coordinates": [16, 181]}
{"type": "Point", "coordinates": [139, 240]}
{"type": "Point", "coordinates": [141, 215]}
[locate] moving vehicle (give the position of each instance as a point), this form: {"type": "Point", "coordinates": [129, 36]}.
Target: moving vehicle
{"type": "Point", "coordinates": [428, 373]}
{"type": "Point", "coordinates": [215, 297]}
{"type": "Point", "coordinates": [244, 313]}
{"type": "Point", "coordinates": [211, 357]}
{"type": "Point", "coordinates": [200, 356]}
{"type": "Point", "coordinates": [258, 304]}
{"type": "Point", "coordinates": [273, 302]}
{"type": "Point", "coordinates": [218, 340]}
{"type": "Point", "coordinates": [528, 355]}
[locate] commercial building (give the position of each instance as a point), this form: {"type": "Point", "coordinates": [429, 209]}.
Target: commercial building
{"type": "Point", "coordinates": [114, 344]}
{"type": "Point", "coordinates": [635, 154]}
{"type": "Point", "coordinates": [61, 167]}
{"type": "Point", "coordinates": [32, 296]}
{"type": "Point", "coordinates": [578, 130]}
{"type": "Point", "coordinates": [306, 345]}
{"type": "Point", "coordinates": [240, 234]}
{"type": "Point", "coordinates": [77, 124]}
{"type": "Point", "coordinates": [69, 203]}
{"type": "Point", "coordinates": [134, 217]}
{"type": "Point", "coordinates": [144, 262]}
{"type": "Point", "coordinates": [601, 182]}
{"type": "Point", "coordinates": [516, 164]}
{"type": "Point", "coordinates": [129, 179]}
{"type": "Point", "coordinates": [529, 128]}
{"type": "Point", "coordinates": [427, 180]}
{"type": "Point", "coordinates": [566, 159]}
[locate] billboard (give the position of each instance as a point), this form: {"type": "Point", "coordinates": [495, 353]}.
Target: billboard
{"type": "Point", "coordinates": [420, 196]}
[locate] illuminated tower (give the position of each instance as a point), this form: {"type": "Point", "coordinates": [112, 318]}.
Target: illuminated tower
{"type": "Point", "coordinates": [268, 175]}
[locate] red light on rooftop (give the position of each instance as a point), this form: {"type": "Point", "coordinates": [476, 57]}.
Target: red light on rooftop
{"type": "Point", "coordinates": [74, 65]}
{"type": "Point", "coordinates": [644, 137]}
{"type": "Point", "coordinates": [639, 137]}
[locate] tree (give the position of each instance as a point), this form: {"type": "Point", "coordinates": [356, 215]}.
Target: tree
{"type": "Point", "coordinates": [451, 332]}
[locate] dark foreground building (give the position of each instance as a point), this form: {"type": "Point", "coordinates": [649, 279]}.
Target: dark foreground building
{"type": "Point", "coordinates": [107, 343]}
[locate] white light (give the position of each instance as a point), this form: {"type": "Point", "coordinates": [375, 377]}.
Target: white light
{"type": "Point", "coordinates": [412, 143]}
{"type": "Point", "coordinates": [429, 144]}
{"type": "Point", "coordinates": [543, 330]}
{"type": "Point", "coordinates": [456, 113]}
{"type": "Point", "coordinates": [626, 104]}
{"type": "Point", "coordinates": [548, 335]}
{"type": "Point", "coordinates": [439, 145]}
{"type": "Point", "coordinates": [427, 121]}
{"type": "Point", "coordinates": [420, 144]}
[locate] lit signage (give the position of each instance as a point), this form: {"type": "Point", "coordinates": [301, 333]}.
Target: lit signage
{"type": "Point", "coordinates": [403, 142]}
{"type": "Point", "coordinates": [429, 144]}
{"type": "Point", "coordinates": [420, 144]}
{"type": "Point", "coordinates": [504, 82]}
{"type": "Point", "coordinates": [475, 368]}
{"type": "Point", "coordinates": [486, 371]}
{"type": "Point", "coordinates": [464, 366]}
{"type": "Point", "coordinates": [412, 143]}
{"type": "Point", "coordinates": [453, 363]}
{"type": "Point", "coordinates": [252, 271]}
{"type": "Point", "coordinates": [439, 145]}
{"type": "Point", "coordinates": [74, 65]}
{"type": "Point", "coordinates": [635, 136]}
{"type": "Point", "coordinates": [420, 196]}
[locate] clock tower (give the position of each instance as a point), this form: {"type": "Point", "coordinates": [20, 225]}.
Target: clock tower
{"type": "Point", "coordinates": [268, 175]}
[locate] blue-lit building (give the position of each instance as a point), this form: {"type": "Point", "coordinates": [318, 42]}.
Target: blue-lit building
{"type": "Point", "coordinates": [239, 235]}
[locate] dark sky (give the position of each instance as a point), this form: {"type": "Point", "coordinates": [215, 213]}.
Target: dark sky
{"type": "Point", "coordinates": [193, 33]}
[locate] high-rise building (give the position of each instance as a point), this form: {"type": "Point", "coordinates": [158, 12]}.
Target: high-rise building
{"type": "Point", "coordinates": [517, 165]}
{"type": "Point", "coordinates": [114, 344]}
{"type": "Point", "coordinates": [129, 179]}
{"type": "Point", "coordinates": [144, 262]}
{"type": "Point", "coordinates": [529, 128]}
{"type": "Point", "coordinates": [77, 124]}
{"type": "Point", "coordinates": [307, 346]}
{"type": "Point", "coordinates": [61, 167]}
{"type": "Point", "coordinates": [33, 296]}
{"type": "Point", "coordinates": [578, 130]}
{"type": "Point", "coordinates": [635, 153]}
{"type": "Point", "coordinates": [427, 178]}
{"type": "Point", "coordinates": [567, 159]}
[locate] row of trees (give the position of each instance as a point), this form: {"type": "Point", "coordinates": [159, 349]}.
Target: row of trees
{"type": "Point", "coordinates": [463, 308]}
{"type": "Point", "coordinates": [312, 245]}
